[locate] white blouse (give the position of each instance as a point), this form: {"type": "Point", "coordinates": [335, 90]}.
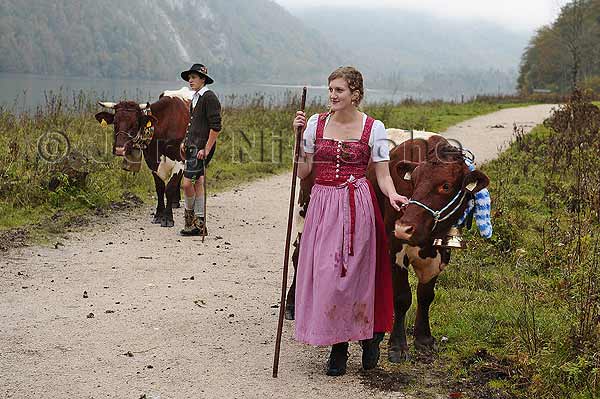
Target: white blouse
{"type": "Point", "coordinates": [380, 149]}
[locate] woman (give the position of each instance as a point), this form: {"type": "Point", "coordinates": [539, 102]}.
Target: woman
{"type": "Point", "coordinates": [344, 279]}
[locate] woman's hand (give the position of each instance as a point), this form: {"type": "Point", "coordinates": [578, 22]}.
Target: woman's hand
{"type": "Point", "coordinates": [397, 200]}
{"type": "Point", "coordinates": [299, 121]}
{"type": "Point", "coordinates": [386, 184]}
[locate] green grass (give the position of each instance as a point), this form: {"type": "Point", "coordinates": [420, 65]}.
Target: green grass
{"type": "Point", "coordinates": [25, 199]}
{"type": "Point", "coordinates": [526, 278]}
{"type": "Point", "coordinates": [519, 295]}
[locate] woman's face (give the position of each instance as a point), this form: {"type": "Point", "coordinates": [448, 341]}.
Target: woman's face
{"type": "Point", "coordinates": [340, 96]}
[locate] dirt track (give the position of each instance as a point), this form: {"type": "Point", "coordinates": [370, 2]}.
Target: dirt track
{"type": "Point", "coordinates": [172, 317]}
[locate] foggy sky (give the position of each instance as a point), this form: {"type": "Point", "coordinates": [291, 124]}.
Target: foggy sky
{"type": "Point", "coordinates": [514, 14]}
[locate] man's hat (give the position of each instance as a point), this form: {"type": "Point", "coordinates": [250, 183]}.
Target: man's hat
{"type": "Point", "coordinates": [199, 69]}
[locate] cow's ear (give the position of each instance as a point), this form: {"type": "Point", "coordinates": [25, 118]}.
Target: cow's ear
{"type": "Point", "coordinates": [107, 117]}
{"type": "Point", "coordinates": [405, 169]}
{"type": "Point", "coordinates": [149, 120]}
{"type": "Point", "coordinates": [475, 181]}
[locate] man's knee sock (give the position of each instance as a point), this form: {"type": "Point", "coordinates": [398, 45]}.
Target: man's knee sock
{"type": "Point", "coordinates": [189, 202]}
{"type": "Point", "coordinates": [199, 206]}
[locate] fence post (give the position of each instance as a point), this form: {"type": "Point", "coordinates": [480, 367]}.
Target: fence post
{"type": "Point", "coordinates": [280, 149]}
{"type": "Point", "coordinates": [262, 146]}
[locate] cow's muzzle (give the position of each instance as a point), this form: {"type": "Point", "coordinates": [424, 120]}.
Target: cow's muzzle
{"type": "Point", "coordinates": [119, 151]}
{"type": "Point", "coordinates": [403, 231]}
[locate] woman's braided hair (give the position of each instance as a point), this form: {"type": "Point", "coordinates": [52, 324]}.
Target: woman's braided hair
{"type": "Point", "coordinates": [354, 79]}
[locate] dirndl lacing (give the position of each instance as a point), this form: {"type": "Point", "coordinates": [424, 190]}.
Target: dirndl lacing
{"type": "Point", "coordinates": [349, 216]}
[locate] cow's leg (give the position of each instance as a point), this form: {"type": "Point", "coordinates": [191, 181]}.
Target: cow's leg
{"type": "Point", "coordinates": [290, 302]}
{"type": "Point", "coordinates": [176, 203]}
{"type": "Point", "coordinates": [398, 347]}
{"type": "Point", "coordinates": [422, 332]}
{"type": "Point", "coordinates": [171, 192]}
{"type": "Point", "coordinates": [177, 199]}
{"type": "Point", "coordinates": [160, 195]}
{"type": "Point", "coordinates": [151, 157]}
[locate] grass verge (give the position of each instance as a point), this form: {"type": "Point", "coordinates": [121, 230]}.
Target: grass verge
{"type": "Point", "coordinates": [56, 163]}
{"type": "Point", "coordinates": [517, 316]}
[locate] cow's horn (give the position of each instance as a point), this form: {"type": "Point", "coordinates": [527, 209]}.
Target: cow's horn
{"type": "Point", "coordinates": [107, 104]}
{"type": "Point", "coordinates": [144, 106]}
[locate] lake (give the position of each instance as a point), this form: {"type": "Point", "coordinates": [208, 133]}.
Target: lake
{"type": "Point", "coordinates": [21, 92]}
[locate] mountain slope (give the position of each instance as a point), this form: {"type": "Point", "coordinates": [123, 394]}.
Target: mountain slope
{"type": "Point", "coordinates": [238, 40]}
{"type": "Point", "coordinates": [409, 45]}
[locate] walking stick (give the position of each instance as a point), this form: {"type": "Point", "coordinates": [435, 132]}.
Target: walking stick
{"type": "Point", "coordinates": [204, 189]}
{"type": "Point", "coordinates": [286, 258]}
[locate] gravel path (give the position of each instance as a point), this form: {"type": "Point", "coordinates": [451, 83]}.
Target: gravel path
{"type": "Point", "coordinates": [486, 135]}
{"type": "Point", "coordinates": [127, 308]}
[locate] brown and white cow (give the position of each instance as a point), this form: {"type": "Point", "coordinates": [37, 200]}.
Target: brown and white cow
{"type": "Point", "coordinates": [169, 116]}
{"type": "Point", "coordinates": [432, 173]}
{"type": "Point", "coordinates": [394, 136]}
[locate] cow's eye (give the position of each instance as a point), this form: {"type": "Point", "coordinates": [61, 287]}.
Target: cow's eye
{"type": "Point", "coordinates": [446, 187]}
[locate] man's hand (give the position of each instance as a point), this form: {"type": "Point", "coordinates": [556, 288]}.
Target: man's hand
{"type": "Point", "coordinates": [202, 154]}
{"type": "Point", "coordinates": [182, 151]}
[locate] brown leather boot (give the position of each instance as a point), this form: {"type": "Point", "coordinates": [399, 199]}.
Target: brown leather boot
{"type": "Point", "coordinates": [189, 229]}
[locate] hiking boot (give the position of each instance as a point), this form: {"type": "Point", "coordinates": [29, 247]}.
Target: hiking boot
{"type": "Point", "coordinates": [189, 229]}
{"type": "Point", "coordinates": [336, 365]}
{"type": "Point", "coordinates": [370, 354]}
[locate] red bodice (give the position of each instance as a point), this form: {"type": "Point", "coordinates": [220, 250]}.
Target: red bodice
{"type": "Point", "coordinates": [335, 160]}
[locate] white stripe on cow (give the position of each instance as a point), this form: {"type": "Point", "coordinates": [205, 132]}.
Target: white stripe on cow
{"type": "Point", "coordinates": [185, 93]}
{"type": "Point", "coordinates": [399, 136]}
{"type": "Point", "coordinates": [425, 269]}
{"type": "Point", "coordinates": [167, 168]}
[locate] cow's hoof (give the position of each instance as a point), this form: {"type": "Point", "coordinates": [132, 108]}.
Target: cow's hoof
{"type": "Point", "coordinates": [426, 344]}
{"type": "Point", "coordinates": [398, 355]}
{"type": "Point", "coordinates": [290, 312]}
{"type": "Point", "coordinates": [167, 223]}
{"type": "Point", "coordinates": [175, 204]}
{"type": "Point", "coordinates": [157, 220]}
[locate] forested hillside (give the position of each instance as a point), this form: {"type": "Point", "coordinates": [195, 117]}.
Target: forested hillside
{"type": "Point", "coordinates": [256, 41]}
{"type": "Point", "coordinates": [239, 40]}
{"type": "Point", "coordinates": [565, 53]}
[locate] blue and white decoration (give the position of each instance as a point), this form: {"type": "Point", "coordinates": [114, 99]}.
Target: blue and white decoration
{"type": "Point", "coordinates": [481, 205]}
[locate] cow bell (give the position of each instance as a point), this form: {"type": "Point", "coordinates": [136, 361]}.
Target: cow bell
{"type": "Point", "coordinates": [133, 160]}
{"type": "Point", "coordinates": [453, 239]}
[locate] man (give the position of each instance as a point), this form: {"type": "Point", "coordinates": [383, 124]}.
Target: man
{"type": "Point", "coordinates": [199, 145]}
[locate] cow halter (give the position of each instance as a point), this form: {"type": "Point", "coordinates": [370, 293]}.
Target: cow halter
{"type": "Point", "coordinates": [144, 134]}
{"type": "Point", "coordinates": [437, 215]}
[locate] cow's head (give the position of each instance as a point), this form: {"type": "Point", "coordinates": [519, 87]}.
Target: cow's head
{"type": "Point", "coordinates": [443, 183]}
{"type": "Point", "coordinates": [128, 120]}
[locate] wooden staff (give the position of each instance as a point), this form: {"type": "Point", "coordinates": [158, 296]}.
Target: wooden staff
{"type": "Point", "coordinates": [205, 196]}
{"type": "Point", "coordinates": [286, 259]}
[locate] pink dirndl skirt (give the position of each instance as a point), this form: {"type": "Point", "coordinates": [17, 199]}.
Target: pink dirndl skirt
{"type": "Point", "coordinates": [335, 286]}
